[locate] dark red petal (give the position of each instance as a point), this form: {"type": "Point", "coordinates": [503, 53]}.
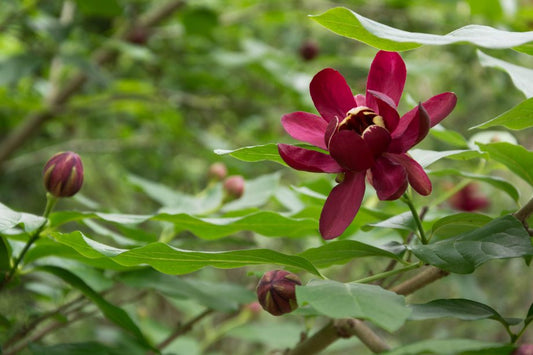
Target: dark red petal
{"type": "Point", "coordinates": [416, 175]}
{"type": "Point", "coordinates": [418, 128]}
{"type": "Point", "coordinates": [331, 94]}
{"type": "Point", "coordinates": [388, 178]}
{"type": "Point", "coordinates": [386, 108]}
{"type": "Point", "coordinates": [439, 106]}
{"type": "Point", "coordinates": [342, 205]}
{"type": "Point", "coordinates": [350, 151]}
{"type": "Point", "coordinates": [377, 139]}
{"type": "Point", "coordinates": [308, 160]}
{"type": "Point", "coordinates": [387, 75]}
{"type": "Point", "coordinates": [305, 127]}
{"type": "Point", "coordinates": [330, 129]}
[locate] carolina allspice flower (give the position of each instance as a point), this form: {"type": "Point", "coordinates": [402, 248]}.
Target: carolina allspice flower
{"type": "Point", "coordinates": [276, 292]}
{"type": "Point", "coordinates": [63, 174]}
{"type": "Point", "coordinates": [234, 186]}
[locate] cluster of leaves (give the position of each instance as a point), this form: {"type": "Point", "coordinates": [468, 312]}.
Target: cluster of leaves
{"type": "Point", "coordinates": [194, 258]}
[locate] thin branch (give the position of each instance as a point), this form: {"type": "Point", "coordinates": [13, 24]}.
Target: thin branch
{"type": "Point", "coordinates": [422, 279]}
{"type": "Point", "coordinates": [182, 329]}
{"type": "Point", "coordinates": [33, 122]}
{"type": "Point", "coordinates": [524, 212]}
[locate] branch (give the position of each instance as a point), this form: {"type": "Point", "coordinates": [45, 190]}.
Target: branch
{"type": "Point", "coordinates": [34, 121]}
{"type": "Point", "coordinates": [524, 212]}
{"type": "Point", "coordinates": [183, 329]}
{"type": "Point", "coordinates": [422, 279]}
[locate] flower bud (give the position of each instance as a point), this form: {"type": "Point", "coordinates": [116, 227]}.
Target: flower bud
{"type": "Point", "coordinates": [276, 292]}
{"type": "Point", "coordinates": [309, 50]}
{"type": "Point", "coordinates": [524, 349]}
{"type": "Point", "coordinates": [63, 174]}
{"type": "Point", "coordinates": [234, 186]}
{"type": "Point", "coordinates": [218, 171]}
{"type": "Point", "coordinates": [469, 199]}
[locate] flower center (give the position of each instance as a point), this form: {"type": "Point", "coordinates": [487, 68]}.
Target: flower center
{"type": "Point", "coordinates": [360, 118]}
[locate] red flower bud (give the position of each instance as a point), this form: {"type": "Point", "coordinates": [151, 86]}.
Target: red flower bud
{"type": "Point", "coordinates": [276, 292]}
{"type": "Point", "coordinates": [524, 349]}
{"type": "Point", "coordinates": [234, 186]}
{"type": "Point", "coordinates": [63, 174]}
{"type": "Point", "coordinates": [309, 50]}
{"type": "Point", "coordinates": [469, 199]}
{"type": "Point", "coordinates": [218, 171]}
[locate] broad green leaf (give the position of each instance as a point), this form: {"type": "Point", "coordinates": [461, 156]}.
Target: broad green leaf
{"type": "Point", "coordinates": [529, 316]}
{"type": "Point", "coordinates": [270, 224]}
{"type": "Point", "coordinates": [451, 137]}
{"type": "Point", "coordinates": [334, 299]}
{"type": "Point", "coordinates": [403, 221]}
{"type": "Point", "coordinates": [107, 8]}
{"type": "Point", "coordinates": [428, 157]}
{"type": "Point", "coordinates": [285, 333]}
{"type": "Point", "coordinates": [14, 68]}
{"type": "Point", "coordinates": [74, 349]}
{"type": "Point", "coordinates": [10, 219]}
{"type": "Point", "coordinates": [340, 252]}
{"type": "Point", "coordinates": [111, 312]}
{"type": "Point", "coordinates": [495, 181]}
{"type": "Point", "coordinates": [458, 223]}
{"type": "Point", "coordinates": [170, 260]}
{"type": "Point", "coordinates": [522, 77]}
{"type": "Point", "coordinates": [350, 24]}
{"type": "Point", "coordinates": [501, 238]}
{"type": "Point", "coordinates": [517, 158]}
{"type": "Point", "coordinates": [255, 153]}
{"type": "Point", "coordinates": [218, 296]}
{"type": "Point", "coordinates": [452, 347]}
{"type": "Point", "coordinates": [457, 308]}
{"type": "Point", "coordinates": [517, 118]}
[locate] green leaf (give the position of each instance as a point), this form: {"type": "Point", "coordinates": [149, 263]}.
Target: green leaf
{"type": "Point", "coordinates": [495, 181]}
{"type": "Point", "coordinates": [111, 312]}
{"type": "Point", "coordinates": [529, 316]}
{"type": "Point", "coordinates": [350, 24]}
{"type": "Point", "coordinates": [170, 260]}
{"type": "Point", "coordinates": [5, 255]}
{"type": "Point", "coordinates": [457, 308]}
{"type": "Point", "coordinates": [334, 299]}
{"type": "Point", "coordinates": [403, 221]}
{"type": "Point", "coordinates": [452, 347]}
{"type": "Point", "coordinates": [218, 296]}
{"type": "Point", "coordinates": [340, 252]}
{"type": "Point", "coordinates": [256, 193]}
{"type": "Point", "coordinates": [517, 158]}
{"type": "Point", "coordinates": [522, 77]}
{"type": "Point", "coordinates": [501, 238]}
{"type": "Point", "coordinates": [458, 223]}
{"type": "Point", "coordinates": [255, 153]}
{"type": "Point", "coordinates": [517, 118]}
{"type": "Point", "coordinates": [451, 137]}
{"type": "Point", "coordinates": [428, 157]}
{"type": "Point", "coordinates": [265, 223]}
{"type": "Point", "coordinates": [10, 219]}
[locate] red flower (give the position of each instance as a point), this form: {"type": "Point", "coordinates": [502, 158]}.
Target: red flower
{"type": "Point", "coordinates": [365, 136]}
{"type": "Point", "coordinates": [469, 199]}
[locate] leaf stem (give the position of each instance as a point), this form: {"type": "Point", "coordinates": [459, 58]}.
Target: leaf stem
{"type": "Point", "coordinates": [524, 212]}
{"type": "Point", "coordinates": [416, 217]}
{"type": "Point", "coordinates": [385, 274]}
{"type": "Point", "coordinates": [50, 203]}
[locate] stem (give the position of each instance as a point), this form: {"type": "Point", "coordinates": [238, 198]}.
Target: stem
{"type": "Point", "coordinates": [385, 274]}
{"type": "Point", "coordinates": [50, 203]}
{"type": "Point", "coordinates": [416, 217]}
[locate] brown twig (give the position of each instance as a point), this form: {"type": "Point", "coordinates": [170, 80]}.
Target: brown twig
{"type": "Point", "coordinates": [34, 121]}
{"type": "Point", "coordinates": [182, 329]}
{"type": "Point", "coordinates": [523, 214]}
{"type": "Point", "coordinates": [428, 275]}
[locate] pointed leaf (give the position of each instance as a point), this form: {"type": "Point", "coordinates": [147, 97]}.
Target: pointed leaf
{"type": "Point", "coordinates": [340, 252]}
{"type": "Point", "coordinates": [458, 223]}
{"type": "Point", "coordinates": [517, 118]}
{"type": "Point", "coordinates": [334, 299]}
{"type": "Point", "coordinates": [255, 153]}
{"type": "Point", "coordinates": [502, 238]}
{"type": "Point", "coordinates": [517, 158]}
{"type": "Point", "coordinates": [452, 346]}
{"type": "Point", "coordinates": [352, 25]}
{"type": "Point", "coordinates": [428, 157]}
{"type": "Point", "coordinates": [170, 260]}
{"type": "Point", "coordinates": [111, 312]}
